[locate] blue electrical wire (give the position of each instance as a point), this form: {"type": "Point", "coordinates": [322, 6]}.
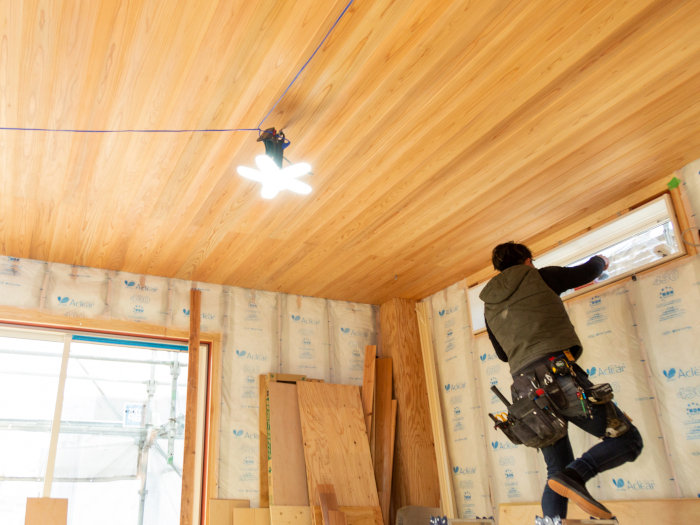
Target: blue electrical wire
{"type": "Point", "coordinates": [307, 62]}
{"type": "Point", "coordinates": [131, 130]}
{"type": "Point", "coordinates": [223, 130]}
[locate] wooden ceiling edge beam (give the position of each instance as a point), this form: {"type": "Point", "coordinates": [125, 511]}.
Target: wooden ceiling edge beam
{"type": "Point", "coordinates": [588, 223]}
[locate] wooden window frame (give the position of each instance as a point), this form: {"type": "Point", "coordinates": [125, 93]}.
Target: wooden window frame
{"type": "Point", "coordinates": [18, 317]}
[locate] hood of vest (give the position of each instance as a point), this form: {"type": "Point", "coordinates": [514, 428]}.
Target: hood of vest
{"type": "Point", "coordinates": [501, 287]}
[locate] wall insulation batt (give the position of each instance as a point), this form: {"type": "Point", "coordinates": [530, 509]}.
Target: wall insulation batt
{"type": "Point", "coordinates": [262, 332]}
{"type": "Point", "coordinates": [640, 336]}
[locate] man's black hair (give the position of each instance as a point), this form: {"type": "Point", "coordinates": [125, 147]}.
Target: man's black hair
{"type": "Point", "coordinates": [509, 254]}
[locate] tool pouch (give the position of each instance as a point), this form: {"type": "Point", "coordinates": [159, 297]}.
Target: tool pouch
{"type": "Point", "coordinates": [535, 422]}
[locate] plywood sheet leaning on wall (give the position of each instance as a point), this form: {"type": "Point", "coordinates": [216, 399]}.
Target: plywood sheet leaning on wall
{"type": "Point", "coordinates": [415, 477]}
{"type": "Point", "coordinates": [286, 467]}
{"type": "Point", "coordinates": [290, 515]}
{"type": "Point", "coordinates": [335, 443]}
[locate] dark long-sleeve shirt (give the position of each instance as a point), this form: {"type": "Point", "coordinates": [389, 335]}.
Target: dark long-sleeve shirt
{"type": "Point", "coordinates": [560, 279]}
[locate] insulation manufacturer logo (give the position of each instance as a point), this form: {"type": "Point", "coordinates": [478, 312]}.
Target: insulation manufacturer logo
{"type": "Point", "coordinates": [644, 484]}
{"type": "Point", "coordinates": [673, 373]}
{"type": "Point", "coordinates": [501, 445]}
{"type": "Point", "coordinates": [455, 386]}
{"type": "Point", "coordinates": [248, 355]}
{"type": "Point", "coordinates": [606, 371]}
{"type": "Point", "coordinates": [353, 332]}
{"type": "Point", "coordinates": [77, 304]}
{"type": "Point", "coordinates": [245, 435]}
{"type": "Point", "coordinates": [463, 470]}
{"type": "Point", "coordinates": [305, 320]}
{"type": "Point", "coordinates": [487, 357]}
{"type": "Point", "coordinates": [448, 311]}
{"type": "Point", "coordinates": [137, 286]}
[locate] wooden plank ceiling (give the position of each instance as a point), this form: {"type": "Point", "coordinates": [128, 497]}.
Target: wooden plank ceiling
{"type": "Point", "coordinates": [435, 130]}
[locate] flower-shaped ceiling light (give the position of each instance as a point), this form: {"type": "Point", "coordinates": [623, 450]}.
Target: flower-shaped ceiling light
{"type": "Point", "coordinates": [275, 179]}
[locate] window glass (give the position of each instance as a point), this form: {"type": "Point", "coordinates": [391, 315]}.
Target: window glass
{"type": "Point", "coordinates": [121, 440]}
{"type": "Point", "coordinates": [29, 371]}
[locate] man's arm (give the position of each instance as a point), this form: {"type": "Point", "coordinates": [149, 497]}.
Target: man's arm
{"type": "Point", "coordinates": [561, 279]}
{"type": "Point", "coordinates": [500, 353]}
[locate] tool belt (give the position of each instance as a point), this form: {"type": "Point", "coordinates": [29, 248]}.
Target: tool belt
{"type": "Point", "coordinates": [544, 396]}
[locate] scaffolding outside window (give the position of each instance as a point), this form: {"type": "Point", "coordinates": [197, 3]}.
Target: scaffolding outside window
{"type": "Point", "coordinates": [118, 453]}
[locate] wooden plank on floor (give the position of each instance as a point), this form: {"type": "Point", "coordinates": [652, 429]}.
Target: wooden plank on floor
{"type": "Point", "coordinates": [46, 511]}
{"type": "Point", "coordinates": [637, 512]}
{"type": "Point", "coordinates": [368, 385]}
{"type": "Point", "coordinates": [383, 448]}
{"type": "Point", "coordinates": [221, 510]}
{"type": "Point", "coordinates": [335, 443]}
{"type": "Point", "coordinates": [287, 515]}
{"type": "Point", "coordinates": [286, 468]}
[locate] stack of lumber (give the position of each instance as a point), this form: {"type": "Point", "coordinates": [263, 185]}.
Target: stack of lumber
{"type": "Point", "coordinates": [326, 452]}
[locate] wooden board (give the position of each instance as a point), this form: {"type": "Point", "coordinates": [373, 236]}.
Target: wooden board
{"type": "Point", "coordinates": [335, 443]}
{"type": "Point", "coordinates": [447, 495]}
{"type": "Point", "coordinates": [187, 500]}
{"type": "Point", "coordinates": [46, 511]}
{"type": "Point", "coordinates": [286, 466]}
{"type": "Point", "coordinates": [263, 419]}
{"type": "Point", "coordinates": [559, 111]}
{"type": "Point", "coordinates": [415, 477]}
{"type": "Point", "coordinates": [221, 510]}
{"type": "Point", "coordinates": [383, 456]}
{"type": "Point", "coordinates": [632, 512]}
{"type": "Point", "coordinates": [353, 515]}
{"type": "Point", "coordinates": [242, 516]}
{"type": "Point", "coordinates": [328, 502]}
{"type": "Point", "coordinates": [290, 515]}
{"type": "Point", "coordinates": [368, 385]}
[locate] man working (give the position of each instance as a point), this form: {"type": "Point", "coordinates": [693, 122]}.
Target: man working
{"type": "Point", "coordinates": [528, 325]}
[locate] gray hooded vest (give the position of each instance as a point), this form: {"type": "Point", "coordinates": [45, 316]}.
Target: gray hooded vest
{"type": "Point", "coordinates": [526, 316]}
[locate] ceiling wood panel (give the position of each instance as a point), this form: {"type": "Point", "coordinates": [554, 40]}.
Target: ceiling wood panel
{"type": "Point", "coordinates": [435, 130]}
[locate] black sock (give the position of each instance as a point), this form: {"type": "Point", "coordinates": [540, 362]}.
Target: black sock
{"type": "Point", "coordinates": [574, 475]}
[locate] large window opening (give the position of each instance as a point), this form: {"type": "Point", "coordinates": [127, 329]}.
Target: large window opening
{"type": "Point", "coordinates": [117, 454]}
{"type": "Point", "coordinates": [637, 241]}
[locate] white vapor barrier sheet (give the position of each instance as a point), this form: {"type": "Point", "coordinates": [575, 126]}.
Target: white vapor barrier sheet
{"type": "Point", "coordinates": [251, 348]}
{"type": "Point", "coordinates": [459, 394]}
{"type": "Point", "coordinates": [319, 338]}
{"type": "Point", "coordinates": [21, 282]}
{"type": "Point", "coordinates": [517, 473]}
{"type": "Point", "coordinates": [605, 324]}
{"type": "Point", "coordinates": [305, 345]}
{"type": "Point", "coordinates": [140, 298]}
{"type": "Point", "coordinates": [667, 306]}
{"type": "Point", "coordinates": [77, 291]}
{"type": "Point", "coordinates": [352, 326]}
